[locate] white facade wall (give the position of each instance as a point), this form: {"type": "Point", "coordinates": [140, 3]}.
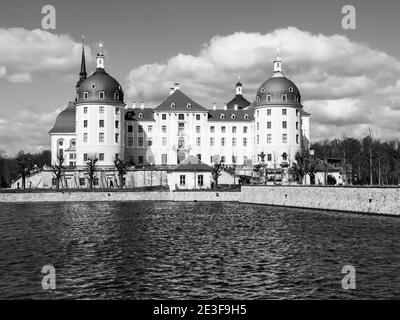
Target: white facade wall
{"type": "Point", "coordinates": [109, 147]}
{"type": "Point", "coordinates": [64, 142]}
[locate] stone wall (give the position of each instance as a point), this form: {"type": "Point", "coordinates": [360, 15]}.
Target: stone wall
{"type": "Point", "coordinates": [353, 199]}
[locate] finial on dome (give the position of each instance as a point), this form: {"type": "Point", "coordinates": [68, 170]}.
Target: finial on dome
{"type": "Point", "coordinates": [239, 87]}
{"type": "Point", "coordinates": [100, 57]}
{"type": "Point", "coordinates": [277, 65]}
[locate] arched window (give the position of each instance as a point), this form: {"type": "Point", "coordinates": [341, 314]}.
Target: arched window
{"type": "Point", "coordinates": [284, 97]}
{"type": "Point", "coordinates": [246, 116]}
{"type": "Point", "coordinates": [72, 143]}
{"type": "Point", "coordinates": [258, 99]}
{"type": "Point", "coordinates": [140, 115]}
{"type": "Point", "coordinates": [85, 95]}
{"type": "Point", "coordinates": [222, 116]}
{"type": "Point", "coordinates": [116, 96]}
{"type": "Point", "coordinates": [233, 117]}
{"type": "Point", "coordinates": [284, 156]}
{"type": "Point", "coordinates": [189, 106]}
{"type": "Point", "coordinates": [269, 97]}
{"type": "Point", "coordinates": [291, 89]}
{"type": "Point", "coordinates": [101, 95]}
{"type": "Point", "coordinates": [173, 105]}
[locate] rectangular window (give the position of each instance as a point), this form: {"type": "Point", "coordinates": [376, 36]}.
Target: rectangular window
{"type": "Point", "coordinates": [297, 113]}
{"type": "Point", "coordinates": [284, 112]}
{"type": "Point", "coordinates": [200, 180]}
{"type": "Point", "coordinates": [81, 182]}
{"type": "Point", "coordinates": [130, 141]}
{"type": "Point", "coordinates": [181, 116]}
{"type": "Point", "coordinates": [116, 156]}
{"type": "Point", "coordinates": [212, 142]}
{"type": "Point", "coordinates": [284, 138]}
{"type": "Point", "coordinates": [164, 141]}
{"type": "Point", "coordinates": [198, 142]}
{"type": "Point", "coordinates": [268, 112]}
{"type": "Point", "coordinates": [222, 142]}
{"type": "Point", "coordinates": [181, 142]}
{"type": "Point", "coordinates": [140, 141]}
{"type": "Point", "coordinates": [269, 125]}
{"type": "Point", "coordinates": [297, 126]}
{"type": "Point", "coordinates": [197, 129]}
{"type": "Point", "coordinates": [198, 156]}
{"type": "Point", "coordinates": [223, 159]}
{"type": "Point", "coordinates": [234, 159]}
{"type": "Point", "coordinates": [130, 128]}
{"type": "Point", "coordinates": [85, 137]}
{"type": "Point", "coordinates": [72, 156]}
{"type": "Point", "coordinates": [85, 122]}
{"type": "Point", "coordinates": [258, 126]}
{"type": "Point", "coordinates": [269, 138]}
{"type": "Point", "coordinates": [164, 129]}
{"type": "Point", "coordinates": [223, 129]}
{"type": "Point", "coordinates": [164, 158]}
{"type": "Point", "coordinates": [182, 180]}
{"type": "Point", "coordinates": [149, 141]}
{"type": "Point", "coordinates": [181, 127]}
{"type": "Point", "coordinates": [150, 129]}
{"type": "Point", "coordinates": [101, 123]}
{"type": "Point", "coordinates": [297, 138]}
{"type": "Point", "coordinates": [101, 110]}
{"type": "Point", "coordinates": [140, 129]}
{"type": "Point", "coordinates": [96, 181]}
{"type": "Point", "coordinates": [212, 129]}
{"type": "Point", "coordinates": [258, 139]}
{"type": "Point", "coordinates": [269, 157]}
{"type": "Point", "coordinates": [85, 157]}
{"type": "Point", "coordinates": [101, 95]}
{"type": "Point", "coordinates": [244, 142]}
{"type": "Point", "coordinates": [164, 116]}
{"type": "Point", "coordinates": [234, 142]}
{"type": "Point", "coordinates": [197, 117]}
{"type": "Point", "coordinates": [101, 156]}
{"type": "Point", "coordinates": [116, 110]}
{"type": "Point", "coordinates": [244, 129]}
{"type": "Point", "coordinates": [101, 137]}
{"type": "Point", "coordinates": [140, 159]}
{"type": "Point", "coordinates": [233, 129]}
{"type": "Point", "coordinates": [84, 110]}
{"type": "Point", "coordinates": [284, 124]}
{"type": "Point", "coordinates": [117, 124]}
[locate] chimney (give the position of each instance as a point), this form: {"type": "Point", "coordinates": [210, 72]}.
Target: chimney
{"type": "Point", "coordinates": [134, 105]}
{"type": "Point", "coordinates": [142, 105]}
{"type": "Point", "coordinates": [176, 86]}
{"type": "Point", "coordinates": [236, 106]}
{"type": "Point", "coordinates": [214, 106]}
{"type": "Point", "coordinates": [171, 91]}
{"type": "Point", "coordinates": [225, 107]}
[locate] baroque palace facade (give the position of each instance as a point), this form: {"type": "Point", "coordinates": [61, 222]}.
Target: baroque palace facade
{"type": "Point", "coordinates": [99, 122]}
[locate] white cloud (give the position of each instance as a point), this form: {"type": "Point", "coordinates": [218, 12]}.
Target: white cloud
{"type": "Point", "coordinates": [13, 131]}
{"type": "Point", "coordinates": [3, 71]}
{"type": "Point", "coordinates": [37, 52]}
{"type": "Point", "coordinates": [336, 75]}
{"type": "Point", "coordinates": [20, 78]}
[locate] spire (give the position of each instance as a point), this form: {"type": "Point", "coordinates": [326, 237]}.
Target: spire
{"type": "Point", "coordinates": [100, 57]}
{"type": "Point", "coordinates": [83, 74]}
{"type": "Point", "coordinates": [278, 65]}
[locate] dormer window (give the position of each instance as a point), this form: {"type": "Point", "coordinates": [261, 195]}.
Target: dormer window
{"type": "Point", "coordinates": [262, 90]}
{"type": "Point", "coordinates": [222, 116]}
{"type": "Point", "coordinates": [140, 115]}
{"type": "Point", "coordinates": [246, 116]}
{"type": "Point", "coordinates": [258, 99]}
{"type": "Point", "coordinates": [93, 86]}
{"type": "Point", "coordinates": [173, 105]}
{"type": "Point", "coordinates": [116, 96]}
{"type": "Point", "coordinates": [284, 97]}
{"type": "Point", "coordinates": [233, 117]}
{"type": "Point", "coordinates": [85, 95]}
{"type": "Point", "coordinates": [291, 89]}
{"type": "Point", "coordinates": [189, 106]}
{"type": "Point", "coordinates": [269, 97]}
{"type": "Point", "coordinates": [101, 95]}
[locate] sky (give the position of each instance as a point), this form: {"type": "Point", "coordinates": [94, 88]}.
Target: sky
{"type": "Point", "coordinates": [349, 79]}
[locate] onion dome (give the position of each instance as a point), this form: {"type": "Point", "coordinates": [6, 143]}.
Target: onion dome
{"type": "Point", "coordinates": [100, 87]}
{"type": "Point", "coordinates": [278, 89]}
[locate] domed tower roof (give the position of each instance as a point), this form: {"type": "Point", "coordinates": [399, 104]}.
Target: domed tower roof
{"type": "Point", "coordinates": [278, 89]}
{"type": "Point", "coordinates": [100, 87]}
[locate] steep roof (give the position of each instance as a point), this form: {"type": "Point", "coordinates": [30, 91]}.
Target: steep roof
{"type": "Point", "coordinates": [139, 115]}
{"type": "Point", "coordinates": [192, 164]}
{"type": "Point", "coordinates": [230, 115]}
{"type": "Point", "coordinates": [65, 122]}
{"type": "Point", "coordinates": [178, 101]}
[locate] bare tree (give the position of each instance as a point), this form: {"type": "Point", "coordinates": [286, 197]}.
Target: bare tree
{"type": "Point", "coordinates": [58, 169]}
{"type": "Point", "coordinates": [369, 136]}
{"type": "Point", "coordinates": [216, 171]}
{"type": "Point", "coordinates": [25, 166]}
{"type": "Point", "coordinates": [91, 169]}
{"type": "Point", "coordinates": [120, 165]}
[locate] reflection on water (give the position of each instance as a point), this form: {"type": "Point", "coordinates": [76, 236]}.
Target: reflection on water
{"type": "Point", "coordinates": [194, 250]}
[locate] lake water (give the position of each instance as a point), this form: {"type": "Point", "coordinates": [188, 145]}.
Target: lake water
{"type": "Point", "coordinates": [166, 250]}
